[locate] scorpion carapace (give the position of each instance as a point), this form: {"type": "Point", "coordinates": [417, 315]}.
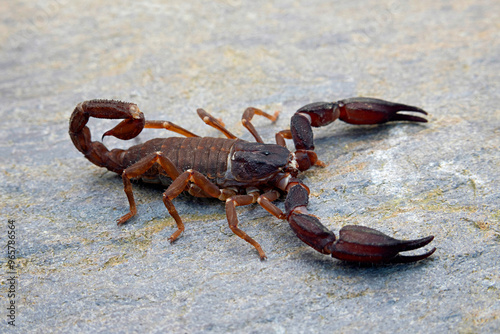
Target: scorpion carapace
{"type": "Point", "coordinates": [240, 172]}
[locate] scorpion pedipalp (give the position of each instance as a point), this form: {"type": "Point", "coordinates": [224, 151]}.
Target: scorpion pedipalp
{"type": "Point", "coordinates": [355, 243]}
{"type": "Point", "coordinates": [357, 110]}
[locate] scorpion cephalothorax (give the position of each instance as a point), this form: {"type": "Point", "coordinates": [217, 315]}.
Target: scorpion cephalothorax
{"type": "Point", "coordinates": [240, 172]}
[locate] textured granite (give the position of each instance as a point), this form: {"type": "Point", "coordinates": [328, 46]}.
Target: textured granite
{"type": "Point", "coordinates": [79, 272]}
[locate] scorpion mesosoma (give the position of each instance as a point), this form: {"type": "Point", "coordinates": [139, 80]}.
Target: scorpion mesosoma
{"type": "Point", "coordinates": [241, 172]}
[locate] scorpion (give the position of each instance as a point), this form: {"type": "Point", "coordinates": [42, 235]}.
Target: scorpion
{"type": "Point", "coordinates": [240, 172]}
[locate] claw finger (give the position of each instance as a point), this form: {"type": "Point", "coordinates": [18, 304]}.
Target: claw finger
{"type": "Point", "coordinates": [371, 103]}
{"type": "Point", "coordinates": [411, 258]}
{"type": "Point", "coordinates": [363, 110]}
{"type": "Point", "coordinates": [415, 244]}
{"type": "Point", "coordinates": [410, 118]}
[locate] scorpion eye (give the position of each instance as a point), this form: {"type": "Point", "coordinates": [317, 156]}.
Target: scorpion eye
{"type": "Point", "coordinates": [266, 153]}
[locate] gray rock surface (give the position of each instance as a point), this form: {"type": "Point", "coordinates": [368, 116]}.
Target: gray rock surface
{"type": "Point", "coordinates": [79, 272]}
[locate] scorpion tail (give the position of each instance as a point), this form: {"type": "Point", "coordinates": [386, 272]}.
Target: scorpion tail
{"type": "Point", "coordinates": [132, 124]}
{"type": "Point", "coordinates": [355, 243]}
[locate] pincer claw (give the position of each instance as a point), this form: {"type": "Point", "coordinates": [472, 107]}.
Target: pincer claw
{"type": "Point", "coordinates": [364, 244]}
{"type": "Point", "coordinates": [363, 110]}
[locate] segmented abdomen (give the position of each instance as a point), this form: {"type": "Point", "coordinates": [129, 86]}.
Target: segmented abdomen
{"type": "Point", "coordinates": [203, 154]}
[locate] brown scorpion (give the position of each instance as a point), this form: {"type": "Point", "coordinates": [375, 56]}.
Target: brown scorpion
{"type": "Point", "coordinates": [241, 172]}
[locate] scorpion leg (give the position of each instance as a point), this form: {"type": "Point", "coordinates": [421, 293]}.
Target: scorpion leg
{"type": "Point", "coordinates": [246, 120]}
{"type": "Point", "coordinates": [281, 136]}
{"type": "Point", "coordinates": [178, 186]}
{"type": "Point", "coordinates": [265, 200]}
{"type": "Point", "coordinates": [211, 189]}
{"type": "Point", "coordinates": [170, 127]}
{"type": "Point", "coordinates": [232, 218]}
{"type": "Point", "coordinates": [215, 123]}
{"type": "Point", "coordinates": [137, 170]}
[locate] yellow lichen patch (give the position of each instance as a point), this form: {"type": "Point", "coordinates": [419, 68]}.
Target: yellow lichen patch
{"type": "Point", "coordinates": [479, 318]}
{"type": "Point", "coordinates": [114, 260]}
{"type": "Point", "coordinates": [353, 295]}
{"type": "Point", "coordinates": [486, 225]}
{"type": "Point", "coordinates": [433, 195]}
{"type": "Point", "coordinates": [317, 193]}
{"type": "Point", "coordinates": [347, 169]}
{"type": "Point", "coordinates": [496, 217]}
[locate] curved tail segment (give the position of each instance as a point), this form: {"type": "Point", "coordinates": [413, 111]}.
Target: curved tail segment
{"type": "Point", "coordinates": [132, 124]}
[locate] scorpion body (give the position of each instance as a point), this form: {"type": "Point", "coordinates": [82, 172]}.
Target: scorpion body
{"type": "Point", "coordinates": [241, 172]}
{"type": "Point", "coordinates": [216, 158]}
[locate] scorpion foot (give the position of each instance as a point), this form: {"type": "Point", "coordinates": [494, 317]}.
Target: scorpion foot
{"type": "Point", "coordinates": [364, 244]}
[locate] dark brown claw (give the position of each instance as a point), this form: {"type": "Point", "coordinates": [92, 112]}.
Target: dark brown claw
{"type": "Point", "coordinates": [355, 243]}
{"type": "Point", "coordinates": [357, 110]}
{"type": "Point", "coordinates": [364, 244]}
{"type": "Point", "coordinates": [310, 230]}
{"type": "Point", "coordinates": [363, 110]}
